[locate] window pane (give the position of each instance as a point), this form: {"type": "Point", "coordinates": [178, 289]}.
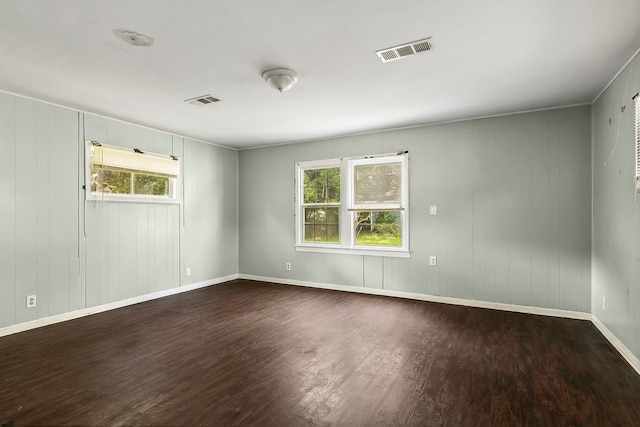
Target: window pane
{"type": "Point", "coordinates": [321, 224]}
{"type": "Point", "coordinates": [110, 181]}
{"type": "Point", "coordinates": [378, 228]}
{"type": "Point", "coordinates": [150, 184]}
{"type": "Point", "coordinates": [378, 183]}
{"type": "Point", "coordinates": [321, 185]}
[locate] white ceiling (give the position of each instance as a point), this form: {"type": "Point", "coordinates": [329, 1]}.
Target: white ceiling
{"type": "Point", "coordinates": [490, 57]}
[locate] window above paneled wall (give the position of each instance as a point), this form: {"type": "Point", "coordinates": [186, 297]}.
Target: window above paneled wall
{"type": "Point", "coordinates": [130, 175]}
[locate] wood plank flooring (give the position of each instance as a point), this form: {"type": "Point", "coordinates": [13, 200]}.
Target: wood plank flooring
{"type": "Point", "coordinates": [250, 353]}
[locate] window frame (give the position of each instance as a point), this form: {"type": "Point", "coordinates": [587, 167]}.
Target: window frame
{"type": "Point", "coordinates": [174, 183]}
{"type": "Point", "coordinates": [348, 208]}
{"type": "Point", "coordinates": [300, 207]}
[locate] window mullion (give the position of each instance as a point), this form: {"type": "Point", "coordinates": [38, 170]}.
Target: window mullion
{"type": "Point", "coordinates": [383, 220]}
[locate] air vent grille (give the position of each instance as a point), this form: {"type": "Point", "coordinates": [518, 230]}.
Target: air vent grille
{"type": "Point", "coordinates": [404, 50]}
{"type": "Point", "coordinates": [202, 100]}
{"type": "Point", "coordinates": [389, 55]}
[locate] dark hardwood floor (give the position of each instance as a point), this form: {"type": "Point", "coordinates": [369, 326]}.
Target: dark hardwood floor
{"type": "Point", "coordinates": [251, 353]}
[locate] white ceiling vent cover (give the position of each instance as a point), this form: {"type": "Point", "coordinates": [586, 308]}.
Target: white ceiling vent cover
{"type": "Point", "coordinates": [202, 100]}
{"type": "Point", "coordinates": [404, 50]}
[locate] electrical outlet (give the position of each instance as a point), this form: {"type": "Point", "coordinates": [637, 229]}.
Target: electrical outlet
{"type": "Point", "coordinates": [433, 260]}
{"type": "Point", "coordinates": [433, 210]}
{"type": "Point", "coordinates": [31, 301]}
{"type": "Point", "coordinates": [287, 266]}
{"type": "Point", "coordinates": [604, 303]}
{"type": "Point", "coordinates": [188, 271]}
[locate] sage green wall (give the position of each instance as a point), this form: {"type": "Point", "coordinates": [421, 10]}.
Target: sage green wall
{"type": "Point", "coordinates": [74, 253]}
{"type": "Point", "coordinates": [39, 205]}
{"type": "Point", "coordinates": [513, 224]}
{"type": "Point", "coordinates": [616, 213]}
{"type": "Point", "coordinates": [513, 195]}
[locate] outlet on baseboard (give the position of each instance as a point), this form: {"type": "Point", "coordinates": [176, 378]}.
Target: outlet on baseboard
{"type": "Point", "coordinates": [31, 301]}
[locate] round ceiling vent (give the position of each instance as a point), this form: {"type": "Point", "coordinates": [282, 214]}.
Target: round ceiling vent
{"type": "Point", "coordinates": [133, 38]}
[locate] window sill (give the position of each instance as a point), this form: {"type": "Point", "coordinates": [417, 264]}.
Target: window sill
{"type": "Point", "coordinates": [386, 252]}
{"type": "Point", "coordinates": [131, 199]}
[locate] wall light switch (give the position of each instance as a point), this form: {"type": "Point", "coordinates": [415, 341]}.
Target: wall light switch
{"type": "Point", "coordinates": [433, 210]}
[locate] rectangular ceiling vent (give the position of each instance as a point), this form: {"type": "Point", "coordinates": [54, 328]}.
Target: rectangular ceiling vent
{"type": "Point", "coordinates": [404, 50]}
{"type": "Point", "coordinates": [200, 100]}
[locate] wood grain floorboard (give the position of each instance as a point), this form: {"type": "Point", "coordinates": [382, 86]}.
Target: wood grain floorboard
{"type": "Point", "coordinates": [250, 353]}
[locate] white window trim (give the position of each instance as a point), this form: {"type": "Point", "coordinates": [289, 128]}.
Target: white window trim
{"type": "Point", "coordinates": [175, 197]}
{"type": "Point", "coordinates": [300, 167]}
{"type": "Point", "coordinates": [347, 209]}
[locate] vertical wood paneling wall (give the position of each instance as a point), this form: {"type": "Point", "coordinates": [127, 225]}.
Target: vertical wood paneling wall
{"type": "Point", "coordinates": [39, 221]}
{"type": "Point", "coordinates": [73, 253]}
{"type": "Point", "coordinates": [616, 210]}
{"type": "Point", "coordinates": [513, 224]}
{"type": "Point", "coordinates": [132, 248]}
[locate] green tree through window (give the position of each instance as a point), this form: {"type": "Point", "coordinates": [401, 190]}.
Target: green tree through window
{"type": "Point", "coordinates": [125, 174]}
{"type": "Point", "coordinates": [354, 205]}
{"type": "Point", "coordinates": [321, 189]}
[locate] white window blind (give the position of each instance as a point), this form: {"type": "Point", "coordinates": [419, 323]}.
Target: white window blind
{"type": "Point", "coordinates": [636, 100]}
{"type": "Point", "coordinates": [377, 184]}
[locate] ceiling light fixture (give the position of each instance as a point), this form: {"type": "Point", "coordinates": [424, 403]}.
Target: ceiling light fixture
{"type": "Point", "coordinates": [280, 79]}
{"type": "Point", "coordinates": [133, 38]}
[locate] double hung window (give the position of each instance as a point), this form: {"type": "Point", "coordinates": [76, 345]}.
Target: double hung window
{"type": "Point", "coordinates": [357, 205]}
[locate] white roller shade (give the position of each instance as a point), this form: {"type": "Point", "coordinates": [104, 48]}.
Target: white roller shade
{"type": "Point", "coordinates": [121, 158]}
{"type": "Point", "coordinates": [377, 184]}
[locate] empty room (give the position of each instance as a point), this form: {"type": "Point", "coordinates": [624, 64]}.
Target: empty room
{"type": "Point", "coordinates": [296, 213]}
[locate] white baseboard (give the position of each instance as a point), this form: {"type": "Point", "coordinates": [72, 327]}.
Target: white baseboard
{"type": "Point", "coordinates": [431, 298]}
{"type": "Point", "coordinates": [617, 344]}
{"type": "Point", "coordinates": [63, 317]}
{"type": "Point", "coordinates": [622, 349]}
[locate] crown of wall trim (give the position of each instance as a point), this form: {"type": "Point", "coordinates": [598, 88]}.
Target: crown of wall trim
{"type": "Point", "coordinates": [422, 125]}
{"type": "Point", "coordinates": [616, 76]}
{"type": "Point", "coordinates": [66, 107]}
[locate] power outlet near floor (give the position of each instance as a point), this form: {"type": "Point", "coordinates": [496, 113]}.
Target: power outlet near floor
{"type": "Point", "coordinates": [433, 260]}
{"type": "Point", "coordinates": [287, 266]}
{"type": "Point", "coordinates": [31, 301]}
{"type": "Point", "coordinates": [188, 271]}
